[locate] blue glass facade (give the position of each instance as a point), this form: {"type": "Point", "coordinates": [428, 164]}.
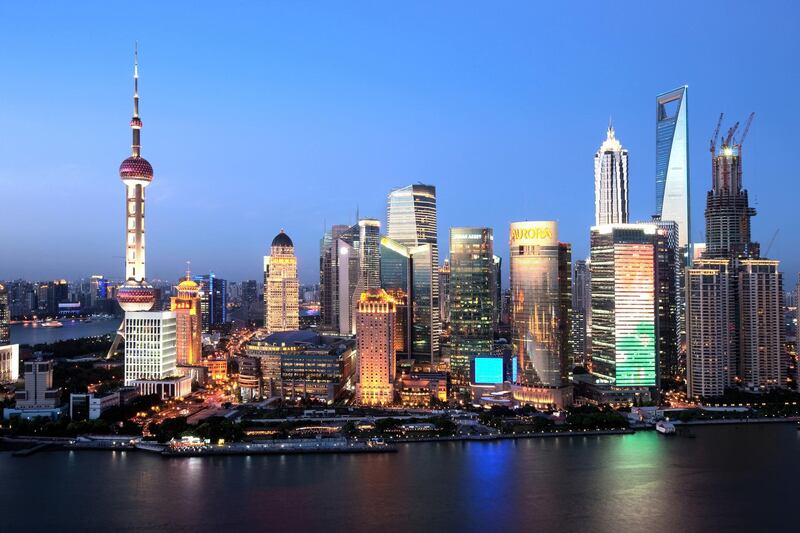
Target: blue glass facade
{"type": "Point", "coordinates": [672, 161]}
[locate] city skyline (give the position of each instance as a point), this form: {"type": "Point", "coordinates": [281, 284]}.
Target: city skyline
{"type": "Point", "coordinates": [476, 152]}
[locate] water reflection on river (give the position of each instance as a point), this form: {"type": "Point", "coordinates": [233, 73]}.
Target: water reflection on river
{"type": "Point", "coordinates": [727, 479]}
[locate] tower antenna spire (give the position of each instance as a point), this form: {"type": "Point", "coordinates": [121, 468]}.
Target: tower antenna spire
{"type": "Point", "coordinates": [136, 122]}
{"type": "Point", "coordinates": [188, 270]}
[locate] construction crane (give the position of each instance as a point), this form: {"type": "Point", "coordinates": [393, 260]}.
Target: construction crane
{"type": "Point", "coordinates": [729, 137]}
{"type": "Point", "coordinates": [746, 128]}
{"type": "Point", "coordinates": [716, 134]}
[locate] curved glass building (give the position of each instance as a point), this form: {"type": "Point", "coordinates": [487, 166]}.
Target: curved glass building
{"type": "Point", "coordinates": [540, 303]}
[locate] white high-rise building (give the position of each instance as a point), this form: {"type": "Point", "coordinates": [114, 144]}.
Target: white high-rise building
{"type": "Point", "coordinates": [150, 345]}
{"type": "Point", "coordinates": [611, 182]}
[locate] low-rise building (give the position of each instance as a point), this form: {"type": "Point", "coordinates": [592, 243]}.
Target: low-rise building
{"type": "Point", "coordinates": [9, 363]}
{"type": "Point", "coordinates": [87, 406]}
{"type": "Point", "coordinates": [301, 364]}
{"type": "Point", "coordinates": [38, 398]}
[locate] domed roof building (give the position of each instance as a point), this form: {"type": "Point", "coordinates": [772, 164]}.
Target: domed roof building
{"type": "Point", "coordinates": [283, 240]}
{"type": "Point", "coordinates": [281, 287]}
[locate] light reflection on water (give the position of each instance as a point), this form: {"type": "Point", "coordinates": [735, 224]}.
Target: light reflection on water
{"type": "Point", "coordinates": [583, 483]}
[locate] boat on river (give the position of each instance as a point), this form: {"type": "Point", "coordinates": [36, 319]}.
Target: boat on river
{"type": "Point", "coordinates": [665, 427]}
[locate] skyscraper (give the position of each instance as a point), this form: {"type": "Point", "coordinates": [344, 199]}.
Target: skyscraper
{"type": "Point", "coordinates": [611, 182]}
{"type": "Point", "coordinates": [396, 280]}
{"type": "Point", "coordinates": [540, 303]}
{"type": "Point", "coordinates": [728, 211]}
{"type": "Point", "coordinates": [710, 327]}
{"type": "Point", "coordinates": [150, 354]}
{"type": "Point", "coordinates": [369, 239]}
{"type": "Point", "coordinates": [752, 289]}
{"type": "Point", "coordinates": [188, 322]}
{"type": "Point", "coordinates": [213, 293]}
{"type": "Point", "coordinates": [471, 295]}
{"type": "Point", "coordinates": [5, 317]}
{"type": "Point", "coordinates": [669, 298]}
{"type": "Point", "coordinates": [349, 265]}
{"type": "Point", "coordinates": [411, 216]}
{"type": "Point", "coordinates": [762, 361]}
{"type": "Point", "coordinates": [281, 288]}
{"type": "Point", "coordinates": [444, 292]}
{"type": "Point", "coordinates": [375, 331]}
{"type": "Point", "coordinates": [672, 161]}
{"type": "Point", "coordinates": [581, 303]}
{"type": "Point", "coordinates": [624, 324]}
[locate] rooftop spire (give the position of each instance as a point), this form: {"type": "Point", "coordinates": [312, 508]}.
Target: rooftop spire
{"type": "Point", "coordinates": [188, 270]}
{"type": "Point", "coordinates": [136, 123]}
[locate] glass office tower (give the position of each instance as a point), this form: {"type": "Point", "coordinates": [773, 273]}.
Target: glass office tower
{"type": "Point", "coordinates": [672, 161]}
{"type": "Point", "coordinates": [213, 301]}
{"type": "Point", "coordinates": [540, 303]}
{"type": "Point", "coordinates": [472, 296]}
{"type": "Point", "coordinates": [411, 216]}
{"type": "Point", "coordinates": [623, 293]}
{"type": "Point", "coordinates": [395, 268]}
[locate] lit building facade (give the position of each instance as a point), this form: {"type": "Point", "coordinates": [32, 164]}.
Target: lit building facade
{"type": "Point", "coordinates": [375, 332]}
{"type": "Point", "coordinates": [581, 304]}
{"type": "Point", "coordinates": [672, 161]}
{"type": "Point", "coordinates": [281, 287]}
{"type": "Point", "coordinates": [297, 365]}
{"type": "Point", "coordinates": [349, 265]}
{"type": "Point", "coordinates": [188, 323]}
{"type": "Point", "coordinates": [611, 182]}
{"type": "Point", "coordinates": [5, 317]}
{"type": "Point", "coordinates": [444, 292]}
{"type": "Point", "coordinates": [39, 392]}
{"type": "Point", "coordinates": [762, 360]}
{"type": "Point", "coordinates": [540, 303]}
{"type": "Point", "coordinates": [471, 296]}
{"type": "Point", "coordinates": [710, 327]}
{"type": "Point", "coordinates": [213, 294]}
{"type": "Point", "coordinates": [150, 346]}
{"type": "Point", "coordinates": [624, 351]}
{"type": "Point", "coordinates": [411, 216]}
{"type": "Point", "coordinates": [396, 280]}
{"type": "Point", "coordinates": [669, 299]}
{"type": "Point", "coordinates": [9, 363]}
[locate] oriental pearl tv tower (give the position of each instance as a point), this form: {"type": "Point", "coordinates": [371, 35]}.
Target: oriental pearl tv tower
{"type": "Point", "coordinates": [136, 173]}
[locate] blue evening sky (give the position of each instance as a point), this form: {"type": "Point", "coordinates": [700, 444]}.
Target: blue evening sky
{"type": "Point", "coordinates": [267, 115]}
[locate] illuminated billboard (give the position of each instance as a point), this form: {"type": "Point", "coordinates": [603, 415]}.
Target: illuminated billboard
{"type": "Point", "coordinates": [534, 233]}
{"type": "Point", "coordinates": [488, 370]}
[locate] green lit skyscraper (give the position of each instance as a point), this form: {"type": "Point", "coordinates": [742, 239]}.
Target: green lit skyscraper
{"type": "Point", "coordinates": [472, 295]}
{"type": "Point", "coordinates": [623, 292]}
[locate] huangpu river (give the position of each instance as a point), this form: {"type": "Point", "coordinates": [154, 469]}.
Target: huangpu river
{"type": "Point", "coordinates": [728, 478]}
{"type": "Point", "coordinates": [71, 329]}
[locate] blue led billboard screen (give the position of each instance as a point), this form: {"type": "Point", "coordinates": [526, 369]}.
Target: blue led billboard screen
{"type": "Point", "coordinates": [488, 370]}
